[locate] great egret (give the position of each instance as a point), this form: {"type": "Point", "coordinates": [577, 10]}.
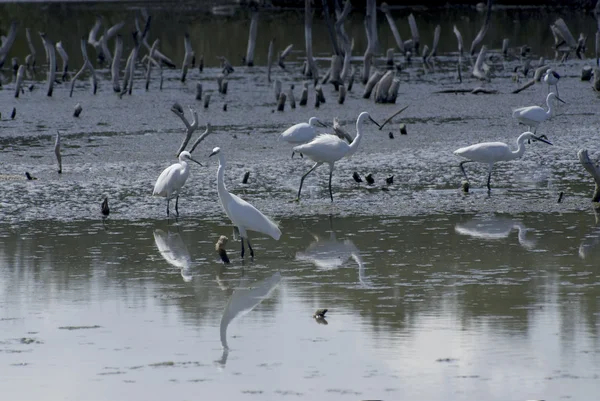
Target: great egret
{"type": "Point", "coordinates": [243, 215]}
{"type": "Point", "coordinates": [327, 148]}
{"type": "Point", "coordinates": [551, 79]}
{"type": "Point", "coordinates": [172, 178]}
{"type": "Point", "coordinates": [492, 152]}
{"type": "Point", "coordinates": [532, 116]}
{"type": "Point", "coordinates": [301, 132]}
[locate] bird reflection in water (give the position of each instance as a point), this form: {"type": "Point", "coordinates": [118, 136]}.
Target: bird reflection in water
{"type": "Point", "coordinates": [243, 299]}
{"type": "Point", "coordinates": [591, 240]}
{"type": "Point", "coordinates": [331, 254]}
{"type": "Point", "coordinates": [173, 250]}
{"type": "Point", "coordinates": [495, 228]}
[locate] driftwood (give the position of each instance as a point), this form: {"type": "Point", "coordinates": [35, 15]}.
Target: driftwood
{"type": "Point", "coordinates": [474, 91]}
{"type": "Point", "coordinates": [484, 28]}
{"type": "Point", "coordinates": [591, 168]}
{"type": "Point", "coordinates": [189, 128]}
{"type": "Point", "coordinates": [87, 65]}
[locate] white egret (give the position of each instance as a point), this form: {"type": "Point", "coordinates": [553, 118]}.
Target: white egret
{"type": "Point", "coordinates": [243, 215]}
{"type": "Point", "coordinates": [172, 179]}
{"type": "Point", "coordinates": [301, 132]}
{"type": "Point", "coordinates": [492, 152]}
{"type": "Point", "coordinates": [327, 148]}
{"type": "Point", "coordinates": [532, 116]}
{"type": "Point", "coordinates": [551, 79]}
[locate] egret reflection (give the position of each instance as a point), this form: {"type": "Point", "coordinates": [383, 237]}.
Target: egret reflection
{"type": "Point", "coordinates": [495, 228]}
{"type": "Point", "coordinates": [591, 240]}
{"type": "Point", "coordinates": [330, 254]}
{"type": "Point", "coordinates": [243, 299]}
{"type": "Point", "coordinates": [173, 250]}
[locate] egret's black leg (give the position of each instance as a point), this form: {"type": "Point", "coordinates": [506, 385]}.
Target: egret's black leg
{"type": "Point", "coordinates": [293, 153]}
{"type": "Point", "coordinates": [168, 201]}
{"type": "Point", "coordinates": [489, 179]}
{"type": "Point", "coordinates": [304, 176]}
{"type": "Point", "coordinates": [463, 169]}
{"type": "Point", "coordinates": [330, 192]}
{"type": "Point", "coordinates": [242, 240]}
{"type": "Point", "coordinates": [250, 247]}
{"type": "Point", "coordinates": [177, 205]}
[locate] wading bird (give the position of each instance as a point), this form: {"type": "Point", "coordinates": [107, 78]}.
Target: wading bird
{"type": "Point", "coordinates": [493, 152]}
{"type": "Point", "coordinates": [532, 116]}
{"type": "Point", "coordinates": [243, 215]}
{"type": "Point", "coordinates": [172, 179]}
{"type": "Point", "coordinates": [551, 79]}
{"type": "Point", "coordinates": [327, 148]}
{"type": "Point", "coordinates": [301, 132]}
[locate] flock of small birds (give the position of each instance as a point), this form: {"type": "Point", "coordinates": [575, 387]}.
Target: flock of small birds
{"type": "Point", "coordinates": [381, 83]}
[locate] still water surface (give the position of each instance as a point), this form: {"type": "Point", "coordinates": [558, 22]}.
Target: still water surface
{"type": "Point", "coordinates": [433, 307]}
{"type": "Point", "coordinates": [432, 294]}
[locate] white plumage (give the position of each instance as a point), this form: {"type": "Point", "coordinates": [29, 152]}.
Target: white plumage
{"type": "Point", "coordinates": [241, 213]}
{"type": "Point", "coordinates": [551, 79]}
{"type": "Point", "coordinates": [327, 148]}
{"type": "Point", "coordinates": [172, 179]}
{"type": "Point", "coordinates": [532, 116]}
{"type": "Point", "coordinates": [493, 152]}
{"type": "Point", "coordinates": [301, 132]}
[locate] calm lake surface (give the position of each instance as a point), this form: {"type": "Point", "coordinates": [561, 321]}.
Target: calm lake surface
{"type": "Point", "coordinates": [432, 294]}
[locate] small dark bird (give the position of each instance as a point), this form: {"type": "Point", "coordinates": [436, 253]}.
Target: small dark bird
{"type": "Point", "coordinates": [105, 209]}
{"type": "Point", "coordinates": [14, 113]}
{"type": "Point", "coordinates": [320, 314]}
{"type": "Point", "coordinates": [389, 180]}
{"type": "Point", "coordinates": [356, 177]}
{"type": "Point", "coordinates": [403, 129]}
{"type": "Point", "coordinates": [465, 186]}
{"type": "Point", "coordinates": [246, 176]}
{"type": "Point", "coordinates": [391, 135]}
{"type": "Point", "coordinates": [370, 179]}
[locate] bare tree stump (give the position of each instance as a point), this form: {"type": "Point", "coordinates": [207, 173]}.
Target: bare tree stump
{"type": "Point", "coordinates": [594, 171]}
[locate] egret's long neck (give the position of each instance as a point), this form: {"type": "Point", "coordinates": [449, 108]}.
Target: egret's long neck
{"type": "Point", "coordinates": [520, 149]}
{"type": "Point", "coordinates": [550, 105]}
{"type": "Point", "coordinates": [221, 178]}
{"type": "Point", "coordinates": [354, 145]}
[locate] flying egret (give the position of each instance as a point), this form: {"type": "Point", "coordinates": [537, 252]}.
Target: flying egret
{"type": "Point", "coordinates": [492, 152]}
{"type": "Point", "coordinates": [551, 79]}
{"type": "Point", "coordinates": [327, 148]}
{"type": "Point", "coordinates": [532, 116]}
{"type": "Point", "coordinates": [243, 215]}
{"type": "Point", "coordinates": [301, 132]}
{"type": "Point", "coordinates": [172, 178]}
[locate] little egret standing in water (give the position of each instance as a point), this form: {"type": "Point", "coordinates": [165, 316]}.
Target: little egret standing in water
{"type": "Point", "coordinates": [172, 179]}
{"type": "Point", "coordinates": [243, 215]}
{"type": "Point", "coordinates": [327, 148]}
{"type": "Point", "coordinates": [492, 152]}
{"type": "Point", "coordinates": [532, 116]}
{"type": "Point", "coordinates": [301, 133]}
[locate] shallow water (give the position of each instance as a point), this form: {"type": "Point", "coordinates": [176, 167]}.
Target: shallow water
{"type": "Point", "coordinates": [432, 293]}
{"type": "Point", "coordinates": [433, 307]}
